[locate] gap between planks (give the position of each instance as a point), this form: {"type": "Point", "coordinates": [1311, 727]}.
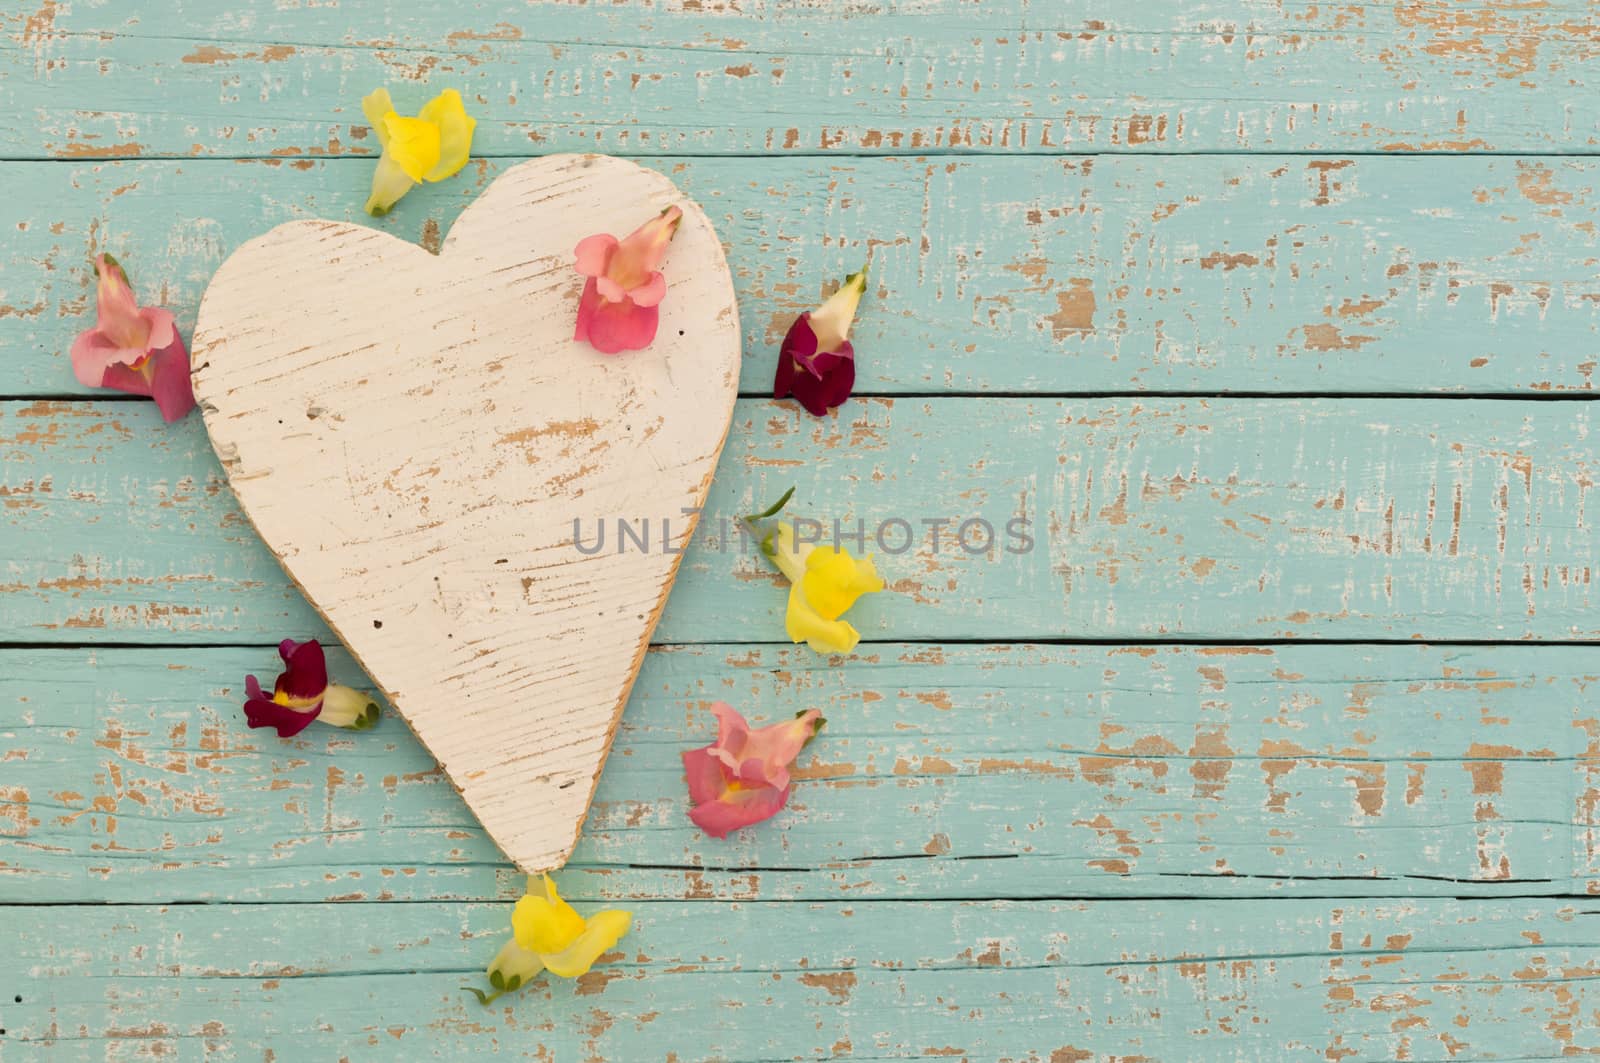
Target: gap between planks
{"type": "Point", "coordinates": [812, 902]}
{"type": "Point", "coordinates": [1041, 393]}
{"type": "Point", "coordinates": [909, 640]}
{"type": "Point", "coordinates": [919, 154]}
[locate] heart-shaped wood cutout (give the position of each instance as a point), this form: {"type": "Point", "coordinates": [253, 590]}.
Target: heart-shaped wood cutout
{"type": "Point", "coordinates": [416, 437]}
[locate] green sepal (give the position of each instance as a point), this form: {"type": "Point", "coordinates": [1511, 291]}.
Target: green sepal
{"type": "Point", "coordinates": [774, 509]}
{"type": "Point", "coordinates": [483, 998]}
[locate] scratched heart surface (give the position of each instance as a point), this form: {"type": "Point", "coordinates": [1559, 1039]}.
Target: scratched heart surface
{"type": "Point", "coordinates": [414, 436]}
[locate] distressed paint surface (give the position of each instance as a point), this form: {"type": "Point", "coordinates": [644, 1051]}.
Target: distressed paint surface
{"type": "Point", "coordinates": [999, 850]}
{"type": "Point", "coordinates": [1204, 518]}
{"type": "Point", "coordinates": [1203, 274]}
{"type": "Point", "coordinates": [945, 771]}
{"type": "Point", "coordinates": [764, 77]}
{"type": "Point", "coordinates": [1296, 980]}
{"type": "Point", "coordinates": [449, 444]}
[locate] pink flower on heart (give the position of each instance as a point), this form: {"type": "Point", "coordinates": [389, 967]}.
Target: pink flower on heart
{"type": "Point", "coordinates": [133, 349]}
{"type": "Point", "coordinates": [621, 304]}
{"type": "Point", "coordinates": [303, 694]}
{"type": "Point", "coordinates": [743, 777]}
{"type": "Point", "coordinates": [817, 363]}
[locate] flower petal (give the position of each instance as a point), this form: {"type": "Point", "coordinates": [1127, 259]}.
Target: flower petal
{"type": "Point", "coordinates": [516, 966]}
{"type": "Point", "coordinates": [588, 303]}
{"type": "Point", "coordinates": [116, 312]}
{"type": "Point", "coordinates": [766, 755]}
{"type": "Point", "coordinates": [93, 352]}
{"type": "Point", "coordinates": [707, 778]}
{"type": "Point", "coordinates": [446, 113]}
{"type": "Point", "coordinates": [651, 292]}
{"type": "Point", "coordinates": [800, 348]}
{"type": "Point", "coordinates": [801, 339]}
{"type": "Point", "coordinates": [733, 730]}
{"type": "Point", "coordinates": [593, 252]}
{"type": "Point", "coordinates": [125, 378]}
{"type": "Point", "coordinates": [389, 182]}
{"type": "Point", "coordinates": [641, 251]}
{"type": "Point", "coordinates": [546, 924]}
{"type": "Point", "coordinates": [834, 580]}
{"type": "Point", "coordinates": [783, 379]}
{"type": "Point", "coordinates": [819, 395]}
{"type": "Point", "coordinates": [170, 383]}
{"type": "Point", "coordinates": [832, 320]}
{"type": "Point", "coordinates": [739, 808]}
{"type": "Point", "coordinates": [305, 675]}
{"type": "Point", "coordinates": [804, 624]}
{"type": "Point", "coordinates": [161, 331]}
{"type": "Point", "coordinates": [614, 327]}
{"type": "Point", "coordinates": [377, 106]}
{"type": "Point", "coordinates": [413, 144]}
{"type": "Point", "coordinates": [604, 930]}
{"type": "Point", "coordinates": [823, 363]}
{"type": "Point", "coordinates": [288, 722]}
{"type": "Point", "coordinates": [789, 556]}
{"type": "Point", "coordinates": [344, 706]}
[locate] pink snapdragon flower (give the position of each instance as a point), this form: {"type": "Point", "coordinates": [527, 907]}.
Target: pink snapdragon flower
{"type": "Point", "coordinates": [133, 349]}
{"type": "Point", "coordinates": [621, 304]}
{"type": "Point", "coordinates": [743, 777]}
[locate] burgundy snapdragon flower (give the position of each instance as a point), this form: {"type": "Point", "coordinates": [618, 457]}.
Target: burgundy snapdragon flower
{"type": "Point", "coordinates": [817, 364]}
{"type": "Point", "coordinates": [303, 694]}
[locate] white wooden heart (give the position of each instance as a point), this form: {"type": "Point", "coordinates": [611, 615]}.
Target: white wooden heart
{"type": "Point", "coordinates": [414, 436]}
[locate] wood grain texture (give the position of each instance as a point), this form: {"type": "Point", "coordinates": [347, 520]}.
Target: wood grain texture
{"type": "Point", "coordinates": [1211, 519]}
{"type": "Point", "coordinates": [1207, 274]}
{"type": "Point", "coordinates": [944, 772]}
{"type": "Point", "coordinates": [1230, 786]}
{"type": "Point", "coordinates": [258, 78]}
{"type": "Point", "coordinates": [415, 437]}
{"type": "Point", "coordinates": [1296, 980]}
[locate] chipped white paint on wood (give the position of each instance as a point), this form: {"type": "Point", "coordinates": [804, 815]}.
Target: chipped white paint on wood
{"type": "Point", "coordinates": [415, 435]}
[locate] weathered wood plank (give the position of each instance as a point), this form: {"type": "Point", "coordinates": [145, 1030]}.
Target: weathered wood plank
{"type": "Point", "coordinates": [259, 77]}
{"type": "Point", "coordinates": [1209, 274]}
{"type": "Point", "coordinates": [1211, 519]}
{"type": "Point", "coordinates": [1162, 980]}
{"type": "Point", "coordinates": [945, 772]}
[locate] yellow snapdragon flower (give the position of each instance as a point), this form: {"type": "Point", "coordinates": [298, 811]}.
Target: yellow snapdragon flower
{"type": "Point", "coordinates": [430, 147]}
{"type": "Point", "coordinates": [824, 582]}
{"type": "Point", "coordinates": [549, 935]}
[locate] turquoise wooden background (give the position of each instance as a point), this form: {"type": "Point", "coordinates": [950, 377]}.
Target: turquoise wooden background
{"type": "Point", "coordinates": [1278, 321]}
